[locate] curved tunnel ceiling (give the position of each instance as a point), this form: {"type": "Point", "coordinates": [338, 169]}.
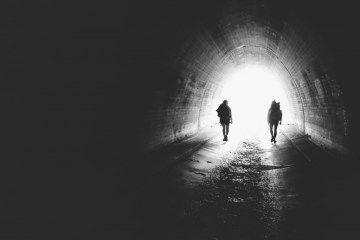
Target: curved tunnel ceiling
{"type": "Point", "coordinates": [101, 81]}
{"type": "Point", "coordinates": [240, 38]}
{"type": "Point", "coordinates": [152, 75]}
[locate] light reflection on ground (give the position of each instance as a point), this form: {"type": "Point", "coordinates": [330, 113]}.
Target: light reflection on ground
{"type": "Point", "coordinates": [246, 188]}
{"type": "Point", "coordinates": [230, 189]}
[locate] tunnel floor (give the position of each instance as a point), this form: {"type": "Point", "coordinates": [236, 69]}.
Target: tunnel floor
{"type": "Point", "coordinates": [249, 188]}
{"type": "Point", "coordinates": [246, 188]}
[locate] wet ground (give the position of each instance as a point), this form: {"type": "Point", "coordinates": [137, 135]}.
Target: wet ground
{"type": "Point", "coordinates": [246, 188]}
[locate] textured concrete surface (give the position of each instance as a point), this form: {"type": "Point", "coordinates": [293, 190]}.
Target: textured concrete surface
{"type": "Point", "coordinates": [249, 188]}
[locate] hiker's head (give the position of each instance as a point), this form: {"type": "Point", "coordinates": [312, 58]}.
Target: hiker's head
{"type": "Point", "coordinates": [273, 103]}
{"type": "Point", "coordinates": [225, 102]}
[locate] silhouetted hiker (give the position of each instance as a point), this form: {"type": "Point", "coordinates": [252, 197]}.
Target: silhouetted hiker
{"type": "Point", "coordinates": [274, 117]}
{"type": "Point", "coordinates": [224, 112]}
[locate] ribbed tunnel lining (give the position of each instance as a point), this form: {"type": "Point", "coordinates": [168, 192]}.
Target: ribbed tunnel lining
{"type": "Point", "coordinates": [235, 40]}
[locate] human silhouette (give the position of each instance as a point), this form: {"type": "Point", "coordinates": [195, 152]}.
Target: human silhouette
{"type": "Point", "coordinates": [274, 117]}
{"type": "Point", "coordinates": [224, 112]}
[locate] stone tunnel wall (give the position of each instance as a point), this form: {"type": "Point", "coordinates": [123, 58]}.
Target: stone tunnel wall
{"type": "Point", "coordinates": [314, 93]}
{"type": "Point", "coordinates": [109, 81]}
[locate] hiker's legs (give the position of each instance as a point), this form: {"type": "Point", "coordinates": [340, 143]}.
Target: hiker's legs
{"type": "Point", "coordinates": [271, 131]}
{"type": "Point", "coordinates": [226, 131]}
{"type": "Point", "coordinates": [275, 129]}
{"type": "Point", "coordinates": [223, 129]}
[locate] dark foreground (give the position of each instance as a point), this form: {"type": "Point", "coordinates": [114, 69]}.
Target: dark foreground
{"type": "Point", "coordinates": [247, 188]}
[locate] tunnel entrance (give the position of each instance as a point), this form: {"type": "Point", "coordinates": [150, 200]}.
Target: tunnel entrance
{"type": "Point", "coordinates": [249, 60]}
{"type": "Point", "coordinates": [250, 88]}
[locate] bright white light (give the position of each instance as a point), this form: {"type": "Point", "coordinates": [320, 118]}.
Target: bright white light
{"type": "Point", "coordinates": [250, 90]}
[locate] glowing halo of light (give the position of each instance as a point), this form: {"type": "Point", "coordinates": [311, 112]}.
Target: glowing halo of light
{"type": "Point", "coordinates": [250, 89]}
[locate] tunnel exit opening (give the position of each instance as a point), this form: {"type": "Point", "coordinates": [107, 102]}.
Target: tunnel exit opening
{"type": "Point", "coordinates": [250, 89]}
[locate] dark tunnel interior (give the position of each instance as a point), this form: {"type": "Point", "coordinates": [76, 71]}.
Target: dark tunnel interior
{"type": "Point", "coordinates": [313, 45]}
{"type": "Point", "coordinates": [69, 80]}
{"type": "Point", "coordinates": [92, 85]}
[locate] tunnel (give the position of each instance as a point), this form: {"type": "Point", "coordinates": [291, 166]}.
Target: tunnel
{"type": "Point", "coordinates": [302, 49]}
{"type": "Point", "coordinates": [110, 130]}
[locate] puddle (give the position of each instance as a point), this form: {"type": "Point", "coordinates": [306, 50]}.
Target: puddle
{"type": "Point", "coordinates": [264, 167]}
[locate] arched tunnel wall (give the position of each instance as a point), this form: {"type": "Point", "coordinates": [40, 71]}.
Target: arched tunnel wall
{"type": "Point", "coordinates": [287, 46]}
{"type": "Point", "coordinates": [125, 78]}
